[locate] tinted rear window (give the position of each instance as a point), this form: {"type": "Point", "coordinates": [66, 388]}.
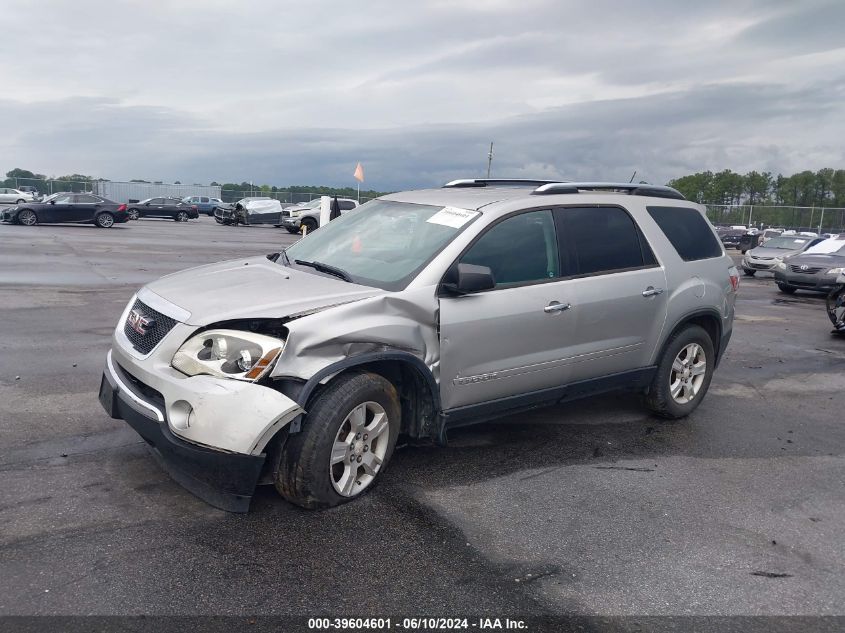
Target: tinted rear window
{"type": "Point", "coordinates": [604, 239]}
{"type": "Point", "coordinates": [688, 232]}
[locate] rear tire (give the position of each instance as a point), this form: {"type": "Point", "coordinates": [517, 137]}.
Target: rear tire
{"type": "Point", "coordinates": [340, 454]}
{"type": "Point", "coordinates": [749, 272]}
{"type": "Point", "coordinates": [291, 231]}
{"type": "Point", "coordinates": [104, 220]}
{"type": "Point", "coordinates": [21, 201]}
{"type": "Point", "coordinates": [787, 289]}
{"type": "Point", "coordinates": [683, 376]}
{"type": "Point", "coordinates": [134, 214]}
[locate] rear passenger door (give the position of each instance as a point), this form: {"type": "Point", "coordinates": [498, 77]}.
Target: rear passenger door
{"type": "Point", "coordinates": [619, 290]}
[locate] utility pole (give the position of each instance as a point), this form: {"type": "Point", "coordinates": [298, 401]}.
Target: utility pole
{"type": "Point", "coordinates": [489, 158]}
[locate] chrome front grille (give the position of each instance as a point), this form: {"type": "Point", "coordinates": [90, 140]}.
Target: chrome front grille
{"type": "Point", "coordinates": [155, 331]}
{"type": "Point", "coordinates": [809, 270]}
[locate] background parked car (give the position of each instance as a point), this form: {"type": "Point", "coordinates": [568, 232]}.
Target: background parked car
{"type": "Point", "coordinates": [228, 214]}
{"type": "Point", "coordinates": [77, 208]}
{"type": "Point", "coordinates": [36, 195]}
{"type": "Point", "coordinates": [15, 196]}
{"type": "Point", "coordinates": [774, 251]}
{"type": "Point", "coordinates": [816, 269]}
{"type": "Point", "coordinates": [730, 238]}
{"type": "Point", "coordinates": [172, 208]}
{"type": "Point", "coordinates": [203, 204]}
{"type": "Point", "coordinates": [295, 217]}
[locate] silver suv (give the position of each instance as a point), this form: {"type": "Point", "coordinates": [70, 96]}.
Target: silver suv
{"type": "Point", "coordinates": [415, 312]}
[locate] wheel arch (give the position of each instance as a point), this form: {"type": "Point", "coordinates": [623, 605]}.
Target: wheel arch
{"type": "Point", "coordinates": [419, 393]}
{"type": "Point", "coordinates": [708, 319]}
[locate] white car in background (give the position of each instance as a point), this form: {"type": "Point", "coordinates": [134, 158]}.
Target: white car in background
{"type": "Point", "coordinates": [15, 196]}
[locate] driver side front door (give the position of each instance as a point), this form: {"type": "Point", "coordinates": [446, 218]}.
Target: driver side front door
{"type": "Point", "coordinates": [513, 339]}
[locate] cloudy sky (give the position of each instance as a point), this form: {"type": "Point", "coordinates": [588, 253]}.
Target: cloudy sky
{"type": "Point", "coordinates": [297, 92]}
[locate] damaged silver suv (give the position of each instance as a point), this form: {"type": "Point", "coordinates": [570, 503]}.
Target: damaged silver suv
{"type": "Point", "coordinates": [413, 313]}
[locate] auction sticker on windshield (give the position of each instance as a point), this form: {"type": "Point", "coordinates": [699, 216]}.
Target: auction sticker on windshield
{"type": "Point", "coordinates": [452, 216]}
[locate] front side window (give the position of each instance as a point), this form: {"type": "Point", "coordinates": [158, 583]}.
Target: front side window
{"type": "Point", "coordinates": [520, 249]}
{"type": "Point", "coordinates": [604, 239]}
{"type": "Point", "coordinates": [63, 199]}
{"type": "Point", "coordinates": [382, 243]}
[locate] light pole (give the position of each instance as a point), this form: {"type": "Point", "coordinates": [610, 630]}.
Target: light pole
{"type": "Point", "coordinates": [489, 158]}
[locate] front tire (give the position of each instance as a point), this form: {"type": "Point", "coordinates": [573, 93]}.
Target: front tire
{"type": "Point", "coordinates": [832, 303]}
{"type": "Point", "coordinates": [27, 217]}
{"type": "Point", "coordinates": [345, 444]}
{"type": "Point", "coordinates": [749, 272]}
{"type": "Point", "coordinates": [310, 224]}
{"type": "Point", "coordinates": [291, 231]}
{"type": "Point", "coordinates": [786, 288]}
{"type": "Point", "coordinates": [182, 216]}
{"type": "Point", "coordinates": [104, 220]}
{"type": "Point", "coordinates": [21, 201]}
{"type": "Point", "coordinates": [683, 374]}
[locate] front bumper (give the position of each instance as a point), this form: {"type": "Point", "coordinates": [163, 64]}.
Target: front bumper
{"type": "Point", "coordinates": [7, 214]}
{"type": "Point", "coordinates": [224, 480]}
{"type": "Point", "coordinates": [290, 222]}
{"type": "Point", "coordinates": [764, 265]}
{"type": "Point", "coordinates": [817, 282]}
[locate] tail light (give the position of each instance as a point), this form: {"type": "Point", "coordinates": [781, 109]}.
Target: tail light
{"type": "Point", "coordinates": [122, 207]}
{"type": "Point", "coordinates": [194, 207]}
{"type": "Point", "coordinates": [733, 273]}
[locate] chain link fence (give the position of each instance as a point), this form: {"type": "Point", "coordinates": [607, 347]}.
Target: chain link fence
{"type": "Point", "coordinates": [815, 219]}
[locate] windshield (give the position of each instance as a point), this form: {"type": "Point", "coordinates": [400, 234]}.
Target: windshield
{"type": "Point", "coordinates": [833, 245]}
{"type": "Point", "coordinates": [787, 243]}
{"type": "Point", "coordinates": [382, 243]}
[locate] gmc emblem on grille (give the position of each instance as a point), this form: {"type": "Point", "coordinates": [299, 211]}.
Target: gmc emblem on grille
{"type": "Point", "coordinates": [139, 322]}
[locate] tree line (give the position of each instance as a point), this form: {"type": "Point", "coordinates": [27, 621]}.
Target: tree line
{"type": "Point", "coordinates": [232, 190]}
{"type": "Point", "coordinates": [822, 188]}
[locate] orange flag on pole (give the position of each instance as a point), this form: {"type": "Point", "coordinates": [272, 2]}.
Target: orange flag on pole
{"type": "Point", "coordinates": [359, 173]}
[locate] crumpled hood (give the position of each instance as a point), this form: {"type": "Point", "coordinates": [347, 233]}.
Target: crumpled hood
{"type": "Point", "coordinates": [253, 288]}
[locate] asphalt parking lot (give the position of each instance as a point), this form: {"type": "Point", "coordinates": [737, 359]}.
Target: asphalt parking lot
{"type": "Point", "coordinates": [591, 508]}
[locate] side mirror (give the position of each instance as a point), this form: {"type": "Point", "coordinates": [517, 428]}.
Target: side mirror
{"type": "Point", "coordinates": [52, 202]}
{"type": "Point", "coordinates": [467, 278]}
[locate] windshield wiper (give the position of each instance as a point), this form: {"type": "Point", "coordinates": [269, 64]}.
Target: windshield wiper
{"type": "Point", "coordinates": [325, 268]}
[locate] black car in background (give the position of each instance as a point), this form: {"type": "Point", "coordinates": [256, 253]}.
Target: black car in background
{"type": "Point", "coordinates": [172, 208]}
{"type": "Point", "coordinates": [74, 208]}
{"type": "Point", "coordinates": [731, 238]}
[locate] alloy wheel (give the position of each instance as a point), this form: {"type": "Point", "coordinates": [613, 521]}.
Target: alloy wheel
{"type": "Point", "coordinates": [688, 371]}
{"type": "Point", "coordinates": [359, 449]}
{"type": "Point", "coordinates": [27, 217]}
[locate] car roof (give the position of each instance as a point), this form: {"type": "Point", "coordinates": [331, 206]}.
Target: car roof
{"type": "Point", "coordinates": [477, 198]}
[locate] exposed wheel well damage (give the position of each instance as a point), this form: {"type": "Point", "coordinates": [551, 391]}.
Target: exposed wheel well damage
{"type": "Point", "coordinates": [418, 393]}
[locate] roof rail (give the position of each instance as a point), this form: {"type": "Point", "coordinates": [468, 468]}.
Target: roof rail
{"type": "Point", "coordinates": [497, 182]}
{"type": "Point", "coordinates": [655, 191]}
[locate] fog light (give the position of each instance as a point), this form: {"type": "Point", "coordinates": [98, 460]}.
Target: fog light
{"type": "Point", "coordinates": [181, 415]}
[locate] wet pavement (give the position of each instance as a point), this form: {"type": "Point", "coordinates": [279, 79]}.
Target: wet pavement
{"type": "Point", "coordinates": [589, 508]}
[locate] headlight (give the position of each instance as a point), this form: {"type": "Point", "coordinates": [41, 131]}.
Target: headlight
{"type": "Point", "coordinates": [228, 354]}
{"type": "Point", "coordinates": [296, 214]}
{"type": "Point", "coordinates": [780, 265]}
{"type": "Point", "coordinates": [835, 271]}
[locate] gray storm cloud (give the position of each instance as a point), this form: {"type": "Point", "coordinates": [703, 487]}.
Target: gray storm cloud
{"type": "Point", "coordinates": [290, 93]}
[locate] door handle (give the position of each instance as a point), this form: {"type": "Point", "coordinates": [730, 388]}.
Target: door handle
{"type": "Point", "coordinates": [651, 291]}
{"type": "Point", "coordinates": [556, 306]}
